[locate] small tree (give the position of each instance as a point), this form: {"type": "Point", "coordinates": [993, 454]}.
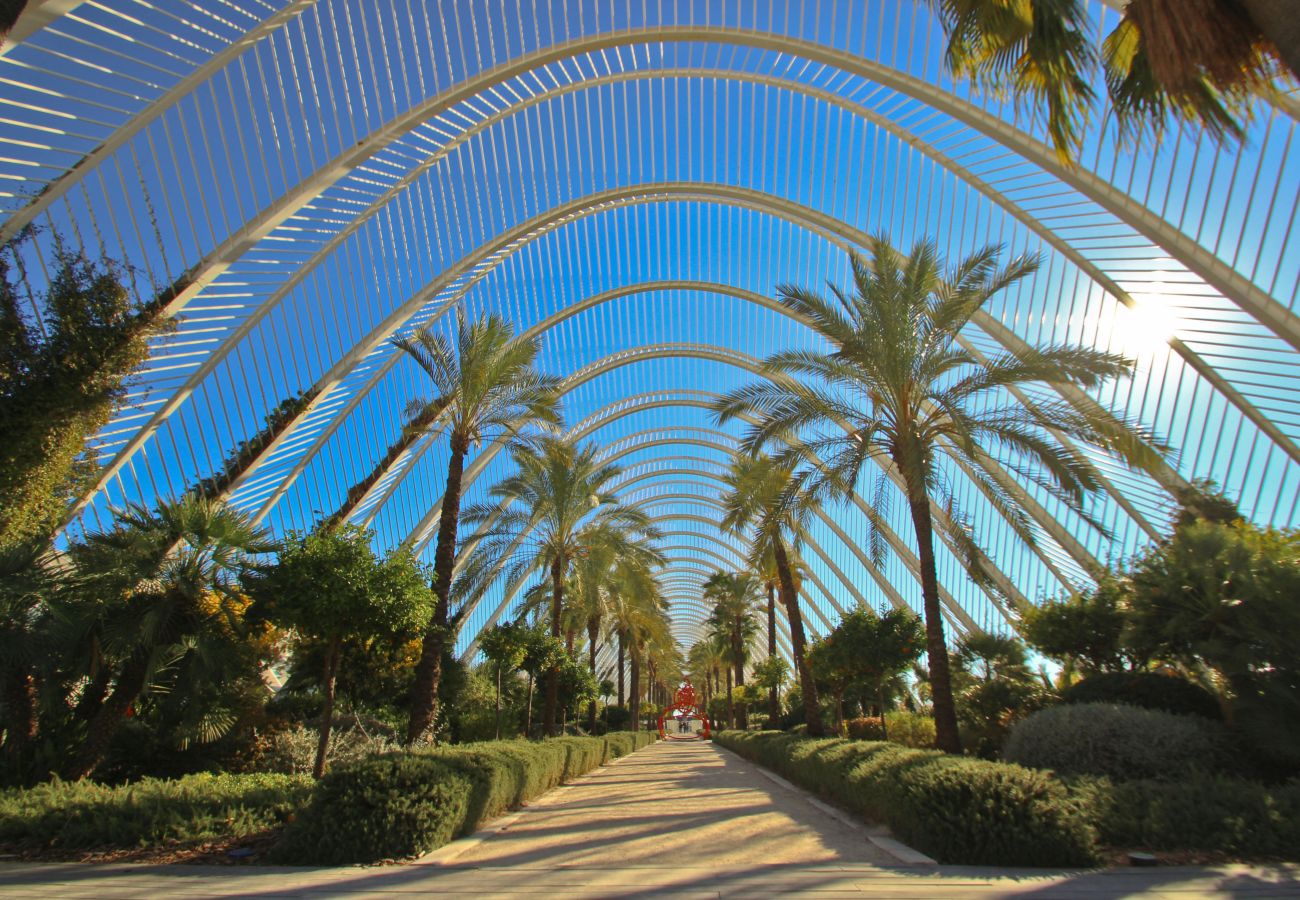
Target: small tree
{"type": "Point", "coordinates": [868, 650]}
{"type": "Point", "coordinates": [771, 675]}
{"type": "Point", "coordinates": [329, 584]}
{"type": "Point", "coordinates": [505, 646]}
{"type": "Point", "coordinates": [995, 688]}
{"type": "Point", "coordinates": [1084, 629]}
{"type": "Point", "coordinates": [542, 652]}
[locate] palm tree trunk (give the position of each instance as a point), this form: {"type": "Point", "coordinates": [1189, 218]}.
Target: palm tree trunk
{"type": "Point", "coordinates": [621, 650]}
{"type": "Point", "coordinates": [737, 652]}
{"type": "Point", "coordinates": [1279, 23]}
{"type": "Point", "coordinates": [773, 701]}
{"type": "Point", "coordinates": [731, 709]}
{"type": "Point", "coordinates": [428, 673]}
{"type": "Point", "coordinates": [553, 676]}
{"type": "Point", "coordinates": [109, 718]}
{"type": "Point", "coordinates": [593, 634]}
{"type": "Point", "coordinates": [528, 716]}
{"type": "Point", "coordinates": [945, 713]}
{"type": "Point", "coordinates": [790, 598]}
{"type": "Point", "coordinates": [880, 698]}
{"type": "Point", "coordinates": [634, 695]}
{"type": "Point", "coordinates": [327, 714]}
{"type": "Point", "coordinates": [20, 710]}
{"type": "Point", "coordinates": [498, 703]}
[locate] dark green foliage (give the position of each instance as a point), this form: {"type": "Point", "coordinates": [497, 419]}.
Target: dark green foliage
{"type": "Point", "coordinates": [1149, 690]}
{"type": "Point", "coordinates": [956, 809]}
{"type": "Point", "coordinates": [995, 687]}
{"type": "Point", "coordinates": [1122, 742]}
{"type": "Point", "coordinates": [617, 717]}
{"type": "Point", "coordinates": [1084, 629]}
{"type": "Point", "coordinates": [387, 807]}
{"type": "Point", "coordinates": [406, 804]}
{"type": "Point", "coordinates": [60, 384]}
{"type": "Point", "coordinates": [74, 815]}
{"type": "Point", "coordinates": [1209, 813]}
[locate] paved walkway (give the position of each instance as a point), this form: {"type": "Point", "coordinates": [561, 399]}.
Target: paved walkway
{"type": "Point", "coordinates": [681, 820]}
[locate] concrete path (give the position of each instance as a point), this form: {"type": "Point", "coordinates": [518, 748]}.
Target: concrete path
{"type": "Point", "coordinates": [680, 820]}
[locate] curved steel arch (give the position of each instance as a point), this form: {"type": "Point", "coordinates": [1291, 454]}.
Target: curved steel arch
{"type": "Point", "coordinates": [831, 229]}
{"type": "Point", "coordinates": [1229, 283]}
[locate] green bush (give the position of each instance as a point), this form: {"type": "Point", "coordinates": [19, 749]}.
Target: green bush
{"type": "Point", "coordinates": [956, 809]}
{"type": "Point", "coordinates": [1228, 815]}
{"type": "Point", "coordinates": [911, 729]}
{"type": "Point", "coordinates": [77, 815]}
{"type": "Point", "coordinates": [865, 728]}
{"type": "Point", "coordinates": [401, 805]}
{"type": "Point", "coordinates": [1150, 690]}
{"type": "Point", "coordinates": [385, 807]}
{"type": "Point", "coordinates": [1122, 742]}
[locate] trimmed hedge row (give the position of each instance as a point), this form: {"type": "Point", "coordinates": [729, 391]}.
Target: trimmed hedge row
{"type": "Point", "coordinates": [406, 804]}
{"type": "Point", "coordinates": [80, 815]}
{"type": "Point", "coordinates": [956, 809]}
{"type": "Point", "coordinates": [1227, 815]}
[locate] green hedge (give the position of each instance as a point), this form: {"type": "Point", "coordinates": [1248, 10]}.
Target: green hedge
{"type": "Point", "coordinates": [1228, 815]}
{"type": "Point", "coordinates": [956, 809]}
{"type": "Point", "coordinates": [406, 804]}
{"type": "Point", "coordinates": [79, 815]}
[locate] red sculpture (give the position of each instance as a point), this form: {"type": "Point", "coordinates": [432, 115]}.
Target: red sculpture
{"type": "Point", "coordinates": [685, 706]}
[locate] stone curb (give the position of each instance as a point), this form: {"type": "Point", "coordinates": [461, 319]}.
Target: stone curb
{"type": "Point", "coordinates": [876, 834]}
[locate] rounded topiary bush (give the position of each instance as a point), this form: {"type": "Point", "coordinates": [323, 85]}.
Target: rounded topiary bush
{"type": "Point", "coordinates": [1149, 690]}
{"type": "Point", "coordinates": [1119, 741]}
{"type": "Point", "coordinates": [385, 807]}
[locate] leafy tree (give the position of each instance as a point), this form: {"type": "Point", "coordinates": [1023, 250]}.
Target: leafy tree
{"type": "Point", "coordinates": [1222, 596]}
{"type": "Point", "coordinates": [763, 495]}
{"type": "Point", "coordinates": [486, 385]}
{"type": "Point", "coordinates": [1201, 60]}
{"type": "Point", "coordinates": [1084, 628]}
{"type": "Point", "coordinates": [900, 389]}
{"type": "Point", "coordinates": [542, 653]}
{"type": "Point", "coordinates": [772, 674]}
{"type": "Point", "coordinates": [330, 584]}
{"type": "Point", "coordinates": [60, 382]}
{"type": "Point", "coordinates": [505, 647]}
{"type": "Point", "coordinates": [867, 650]}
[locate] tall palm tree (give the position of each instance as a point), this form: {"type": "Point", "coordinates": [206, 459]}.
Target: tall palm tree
{"type": "Point", "coordinates": [735, 615]}
{"type": "Point", "coordinates": [638, 615]}
{"type": "Point", "coordinates": [1201, 60]}
{"type": "Point", "coordinates": [557, 509]}
{"type": "Point", "coordinates": [762, 495]}
{"type": "Point", "coordinates": [898, 388]}
{"type": "Point", "coordinates": [485, 385]}
{"type": "Point", "coordinates": [148, 584]}
{"type": "Point", "coordinates": [613, 564]}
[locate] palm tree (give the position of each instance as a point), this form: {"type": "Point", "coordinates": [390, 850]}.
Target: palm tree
{"type": "Point", "coordinates": [557, 508]}
{"type": "Point", "coordinates": [614, 563]}
{"type": "Point", "coordinates": [149, 585]}
{"type": "Point", "coordinates": [486, 385]}
{"type": "Point", "coordinates": [638, 615]}
{"type": "Point", "coordinates": [1199, 59]}
{"type": "Point", "coordinates": [735, 616]}
{"type": "Point", "coordinates": [761, 494]}
{"type": "Point", "coordinates": [900, 390]}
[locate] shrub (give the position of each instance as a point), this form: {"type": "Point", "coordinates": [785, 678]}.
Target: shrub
{"type": "Point", "coordinates": [956, 809]}
{"type": "Point", "coordinates": [1244, 818]}
{"type": "Point", "coordinates": [293, 750]}
{"type": "Point", "coordinates": [910, 729]}
{"type": "Point", "coordinates": [80, 814]}
{"type": "Point", "coordinates": [617, 716]}
{"type": "Point", "coordinates": [390, 806]}
{"type": "Point", "coordinates": [1122, 742]}
{"type": "Point", "coordinates": [865, 728]}
{"type": "Point", "coordinates": [400, 805]}
{"type": "Point", "coordinates": [1150, 690]}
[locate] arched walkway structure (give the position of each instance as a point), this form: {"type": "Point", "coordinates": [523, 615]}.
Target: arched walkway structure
{"type": "Point", "coordinates": [300, 180]}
